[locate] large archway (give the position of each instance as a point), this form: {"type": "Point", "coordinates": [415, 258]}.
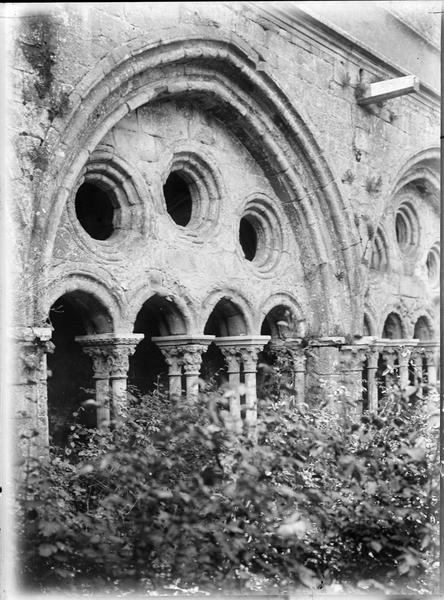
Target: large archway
{"type": "Point", "coordinates": [222, 78]}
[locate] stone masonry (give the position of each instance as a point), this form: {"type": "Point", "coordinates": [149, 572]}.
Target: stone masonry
{"type": "Point", "coordinates": [183, 172]}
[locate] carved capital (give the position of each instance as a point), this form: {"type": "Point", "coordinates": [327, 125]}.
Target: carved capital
{"type": "Point", "coordinates": [119, 360]}
{"type": "Point", "coordinates": [173, 358]}
{"type": "Point", "coordinates": [248, 355]}
{"type": "Point", "coordinates": [192, 358]}
{"type": "Point", "coordinates": [231, 355]}
{"type": "Point", "coordinates": [109, 353]}
{"type": "Point", "coordinates": [101, 360]}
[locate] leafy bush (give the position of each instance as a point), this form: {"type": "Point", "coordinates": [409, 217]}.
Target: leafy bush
{"type": "Point", "coordinates": [172, 497]}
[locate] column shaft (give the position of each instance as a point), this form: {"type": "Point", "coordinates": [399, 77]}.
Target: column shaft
{"type": "Point", "coordinates": [404, 369]}
{"type": "Point", "coordinates": [103, 401]}
{"type": "Point", "coordinates": [235, 410]}
{"type": "Point", "coordinates": [250, 399]}
{"type": "Point", "coordinates": [110, 357]}
{"type": "Point", "coordinates": [372, 384]}
{"type": "Point", "coordinates": [183, 354]}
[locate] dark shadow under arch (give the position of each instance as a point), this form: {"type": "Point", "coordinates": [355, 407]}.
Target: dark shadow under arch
{"type": "Point", "coordinates": [226, 319]}
{"type": "Point", "coordinates": [148, 369]}
{"type": "Point", "coordinates": [70, 375]}
{"type": "Point", "coordinates": [422, 330]}
{"type": "Point", "coordinates": [393, 328]}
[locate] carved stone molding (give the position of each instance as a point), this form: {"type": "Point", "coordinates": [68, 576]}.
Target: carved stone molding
{"type": "Point", "coordinates": [248, 355]}
{"type": "Point", "coordinates": [110, 353]}
{"type": "Point", "coordinates": [232, 358]}
{"type": "Point", "coordinates": [183, 351]}
{"type": "Point", "coordinates": [173, 356]}
{"type": "Point", "coordinates": [245, 347]}
{"type": "Point", "coordinates": [33, 343]}
{"type": "Point", "coordinates": [192, 358]}
{"type": "Point", "coordinates": [101, 360]}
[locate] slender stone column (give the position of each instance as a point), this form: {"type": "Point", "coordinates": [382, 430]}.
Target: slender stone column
{"type": "Point", "coordinates": [120, 351]}
{"type": "Point", "coordinates": [101, 361]}
{"type": "Point", "coordinates": [404, 355]}
{"type": "Point", "coordinates": [299, 360]}
{"type": "Point", "coordinates": [232, 358]}
{"type": "Point", "coordinates": [372, 384]}
{"type": "Point", "coordinates": [416, 362]}
{"type": "Point", "coordinates": [249, 348]}
{"type": "Point", "coordinates": [192, 361]}
{"type": "Point", "coordinates": [30, 387]}
{"type": "Point", "coordinates": [389, 355]}
{"type": "Point", "coordinates": [183, 354]}
{"type": "Point", "coordinates": [110, 354]}
{"type": "Point", "coordinates": [352, 358]}
{"type": "Point", "coordinates": [173, 358]}
{"type": "Point", "coordinates": [431, 350]}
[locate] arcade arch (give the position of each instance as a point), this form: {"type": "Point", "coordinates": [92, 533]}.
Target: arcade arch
{"type": "Point", "coordinates": [70, 372]}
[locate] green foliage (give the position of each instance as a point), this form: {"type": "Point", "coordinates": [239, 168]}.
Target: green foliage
{"type": "Point", "coordinates": [171, 497]}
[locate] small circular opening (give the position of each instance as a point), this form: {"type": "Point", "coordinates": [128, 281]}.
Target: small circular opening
{"type": "Point", "coordinates": [95, 211]}
{"type": "Point", "coordinates": [178, 199]}
{"type": "Point", "coordinates": [248, 238]}
{"type": "Point", "coordinates": [433, 265]}
{"type": "Point", "coordinates": [401, 230]}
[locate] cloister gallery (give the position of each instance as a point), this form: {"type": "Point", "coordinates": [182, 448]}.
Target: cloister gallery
{"type": "Point", "coordinates": [198, 188]}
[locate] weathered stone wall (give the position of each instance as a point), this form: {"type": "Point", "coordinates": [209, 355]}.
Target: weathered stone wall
{"type": "Point", "coordinates": [74, 80]}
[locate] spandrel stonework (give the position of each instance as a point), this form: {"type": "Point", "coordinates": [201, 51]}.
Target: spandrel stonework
{"type": "Point", "coordinates": [189, 177]}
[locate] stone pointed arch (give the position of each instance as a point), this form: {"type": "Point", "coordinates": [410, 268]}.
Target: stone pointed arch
{"type": "Point", "coordinates": [223, 76]}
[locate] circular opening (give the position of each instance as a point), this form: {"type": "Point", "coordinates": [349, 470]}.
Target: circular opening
{"type": "Point", "coordinates": [95, 211]}
{"type": "Point", "coordinates": [178, 199]}
{"type": "Point", "coordinates": [432, 263]}
{"type": "Point", "coordinates": [248, 238]}
{"type": "Point", "coordinates": [407, 228]}
{"type": "Point", "coordinates": [402, 236]}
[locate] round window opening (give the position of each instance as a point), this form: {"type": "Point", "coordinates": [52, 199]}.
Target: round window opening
{"type": "Point", "coordinates": [407, 228]}
{"type": "Point", "coordinates": [248, 238]}
{"type": "Point", "coordinates": [95, 210]}
{"type": "Point", "coordinates": [433, 265]}
{"type": "Point", "coordinates": [402, 230]}
{"type": "Point", "coordinates": [179, 202]}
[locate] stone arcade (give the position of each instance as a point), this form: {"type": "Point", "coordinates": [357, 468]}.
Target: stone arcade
{"type": "Point", "coordinates": [199, 186]}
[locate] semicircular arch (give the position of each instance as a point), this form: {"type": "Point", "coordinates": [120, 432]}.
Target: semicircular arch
{"type": "Point", "coordinates": [241, 306]}
{"type": "Point", "coordinates": [100, 310]}
{"type": "Point", "coordinates": [296, 316]}
{"type": "Point", "coordinates": [181, 317]}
